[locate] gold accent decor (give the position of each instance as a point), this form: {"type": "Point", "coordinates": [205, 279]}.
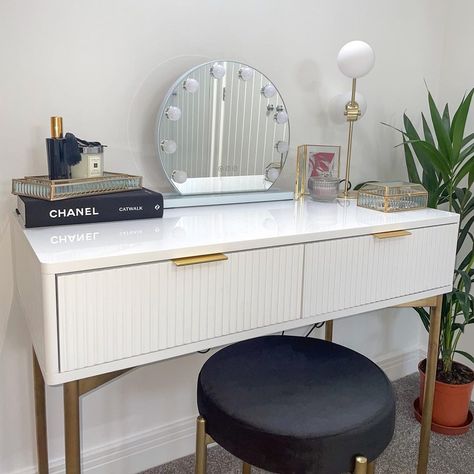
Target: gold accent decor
{"type": "Point", "coordinates": [302, 157]}
{"type": "Point", "coordinates": [41, 187]}
{"type": "Point", "coordinates": [72, 427]}
{"type": "Point", "coordinates": [360, 465]}
{"type": "Point", "coordinates": [328, 330]}
{"type": "Point", "coordinates": [424, 303]}
{"type": "Point", "coordinates": [56, 127]}
{"type": "Point", "coordinates": [246, 468]}
{"type": "Point", "coordinates": [201, 446]}
{"type": "Point", "coordinates": [392, 197]}
{"type": "Point", "coordinates": [40, 417]}
{"type": "Point", "coordinates": [215, 257]}
{"type": "Point", "coordinates": [391, 235]}
{"type": "Point", "coordinates": [90, 383]}
{"type": "Point", "coordinates": [352, 114]}
{"type": "Point", "coordinates": [430, 378]}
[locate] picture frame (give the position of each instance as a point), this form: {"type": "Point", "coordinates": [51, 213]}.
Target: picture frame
{"type": "Point", "coordinates": [313, 160]}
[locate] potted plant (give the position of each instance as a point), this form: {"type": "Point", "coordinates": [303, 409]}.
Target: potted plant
{"type": "Point", "coordinates": [445, 156]}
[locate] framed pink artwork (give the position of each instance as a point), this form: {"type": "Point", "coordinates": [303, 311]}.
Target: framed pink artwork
{"type": "Point", "coordinates": [315, 160]}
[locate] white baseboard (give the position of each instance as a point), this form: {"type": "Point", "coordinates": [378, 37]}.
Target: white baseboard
{"type": "Point", "coordinates": [399, 364]}
{"type": "Point", "coordinates": [165, 443]}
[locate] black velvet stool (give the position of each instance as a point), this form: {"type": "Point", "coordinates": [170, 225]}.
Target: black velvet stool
{"type": "Point", "coordinates": [291, 404]}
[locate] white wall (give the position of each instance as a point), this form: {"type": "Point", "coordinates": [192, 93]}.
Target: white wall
{"type": "Point", "coordinates": [457, 77]}
{"type": "Point", "coordinates": [104, 67]}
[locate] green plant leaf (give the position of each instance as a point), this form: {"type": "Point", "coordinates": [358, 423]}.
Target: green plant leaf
{"type": "Point", "coordinates": [465, 279]}
{"type": "Point", "coordinates": [464, 302]}
{"type": "Point", "coordinates": [458, 327]}
{"type": "Point", "coordinates": [413, 175]}
{"type": "Point", "coordinates": [459, 125]}
{"type": "Point", "coordinates": [446, 120]}
{"type": "Point", "coordinates": [467, 261]}
{"type": "Point", "coordinates": [442, 135]}
{"type": "Point", "coordinates": [466, 355]}
{"type": "Point", "coordinates": [430, 179]}
{"type": "Point", "coordinates": [467, 140]}
{"type": "Point", "coordinates": [464, 232]}
{"type": "Point", "coordinates": [437, 159]}
{"type": "Point", "coordinates": [427, 131]}
{"type": "Point", "coordinates": [467, 168]}
{"type": "Point", "coordinates": [466, 152]}
{"type": "Point", "coordinates": [424, 316]}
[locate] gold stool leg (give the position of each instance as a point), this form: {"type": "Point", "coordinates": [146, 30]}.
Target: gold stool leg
{"type": "Point", "coordinates": [328, 330]}
{"type": "Point", "coordinates": [371, 468]}
{"type": "Point", "coordinates": [246, 468]}
{"type": "Point", "coordinates": [201, 446]}
{"type": "Point", "coordinates": [360, 465]}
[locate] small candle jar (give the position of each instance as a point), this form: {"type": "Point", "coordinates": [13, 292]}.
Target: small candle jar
{"type": "Point", "coordinates": [323, 188]}
{"type": "Point", "coordinates": [91, 164]}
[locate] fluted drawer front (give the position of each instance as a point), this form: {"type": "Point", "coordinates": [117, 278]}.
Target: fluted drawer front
{"type": "Point", "coordinates": [115, 313]}
{"type": "Point", "coordinates": [346, 273]}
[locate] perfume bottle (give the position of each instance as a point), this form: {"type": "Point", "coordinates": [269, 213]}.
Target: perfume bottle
{"type": "Point", "coordinates": [58, 167]}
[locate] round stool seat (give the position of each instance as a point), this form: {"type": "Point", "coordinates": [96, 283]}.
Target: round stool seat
{"type": "Point", "coordinates": [291, 404]}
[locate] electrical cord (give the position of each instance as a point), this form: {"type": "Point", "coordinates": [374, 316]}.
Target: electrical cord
{"type": "Point", "coordinates": [313, 327]}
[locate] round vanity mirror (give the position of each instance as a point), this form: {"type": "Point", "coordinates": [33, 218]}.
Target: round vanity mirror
{"type": "Point", "coordinates": [223, 128]}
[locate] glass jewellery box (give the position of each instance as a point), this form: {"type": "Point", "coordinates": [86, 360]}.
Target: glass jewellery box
{"type": "Point", "coordinates": [392, 197]}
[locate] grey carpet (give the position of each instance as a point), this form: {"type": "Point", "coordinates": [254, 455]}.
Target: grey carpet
{"type": "Point", "coordinates": [448, 455]}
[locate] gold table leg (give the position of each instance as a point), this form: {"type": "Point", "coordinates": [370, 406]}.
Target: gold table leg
{"type": "Point", "coordinates": [328, 330]}
{"type": "Point", "coordinates": [40, 416]}
{"type": "Point", "coordinates": [246, 468]}
{"type": "Point", "coordinates": [72, 430]}
{"type": "Point", "coordinates": [371, 468]}
{"type": "Point", "coordinates": [430, 378]}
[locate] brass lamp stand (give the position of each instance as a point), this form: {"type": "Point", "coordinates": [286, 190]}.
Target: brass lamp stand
{"type": "Point", "coordinates": [355, 59]}
{"type": "Point", "coordinates": [352, 113]}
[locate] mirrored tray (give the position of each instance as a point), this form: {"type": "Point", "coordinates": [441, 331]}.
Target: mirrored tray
{"type": "Point", "coordinates": [41, 187]}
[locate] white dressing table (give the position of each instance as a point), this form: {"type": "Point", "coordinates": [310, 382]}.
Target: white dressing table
{"type": "Point", "coordinates": [103, 298]}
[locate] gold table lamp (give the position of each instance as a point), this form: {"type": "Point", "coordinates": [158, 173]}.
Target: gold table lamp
{"type": "Point", "coordinates": [355, 59]}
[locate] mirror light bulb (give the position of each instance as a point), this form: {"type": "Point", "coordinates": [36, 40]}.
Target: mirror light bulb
{"type": "Point", "coordinates": [168, 146]}
{"type": "Point", "coordinates": [281, 117]}
{"type": "Point", "coordinates": [179, 176]}
{"type": "Point", "coordinates": [173, 113]}
{"type": "Point", "coordinates": [191, 85]}
{"type": "Point", "coordinates": [356, 59]}
{"type": "Point", "coordinates": [269, 90]}
{"type": "Point", "coordinates": [217, 71]}
{"type": "Point", "coordinates": [282, 147]}
{"type": "Point", "coordinates": [245, 73]}
{"type": "Point", "coordinates": [272, 174]}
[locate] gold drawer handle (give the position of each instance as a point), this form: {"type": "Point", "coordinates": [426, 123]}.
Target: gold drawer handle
{"type": "Point", "coordinates": [389, 235]}
{"type": "Point", "coordinates": [215, 257]}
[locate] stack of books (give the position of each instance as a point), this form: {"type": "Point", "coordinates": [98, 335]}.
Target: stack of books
{"type": "Point", "coordinates": [116, 206]}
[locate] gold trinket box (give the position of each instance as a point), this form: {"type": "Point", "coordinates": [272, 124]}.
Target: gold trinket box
{"type": "Point", "coordinates": [392, 197]}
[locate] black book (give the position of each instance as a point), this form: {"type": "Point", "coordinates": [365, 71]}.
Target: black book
{"type": "Point", "coordinates": [140, 204]}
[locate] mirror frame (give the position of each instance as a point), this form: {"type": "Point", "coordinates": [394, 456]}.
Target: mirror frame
{"type": "Point", "coordinates": [161, 114]}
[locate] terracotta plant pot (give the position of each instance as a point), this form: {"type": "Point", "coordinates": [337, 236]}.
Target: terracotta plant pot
{"type": "Point", "coordinates": [451, 402]}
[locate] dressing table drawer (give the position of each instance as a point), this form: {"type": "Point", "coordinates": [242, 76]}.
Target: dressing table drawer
{"type": "Point", "coordinates": [350, 272]}
{"type": "Point", "coordinates": [110, 314]}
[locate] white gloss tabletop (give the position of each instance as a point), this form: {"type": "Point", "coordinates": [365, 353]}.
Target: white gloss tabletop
{"type": "Point", "coordinates": [210, 229]}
